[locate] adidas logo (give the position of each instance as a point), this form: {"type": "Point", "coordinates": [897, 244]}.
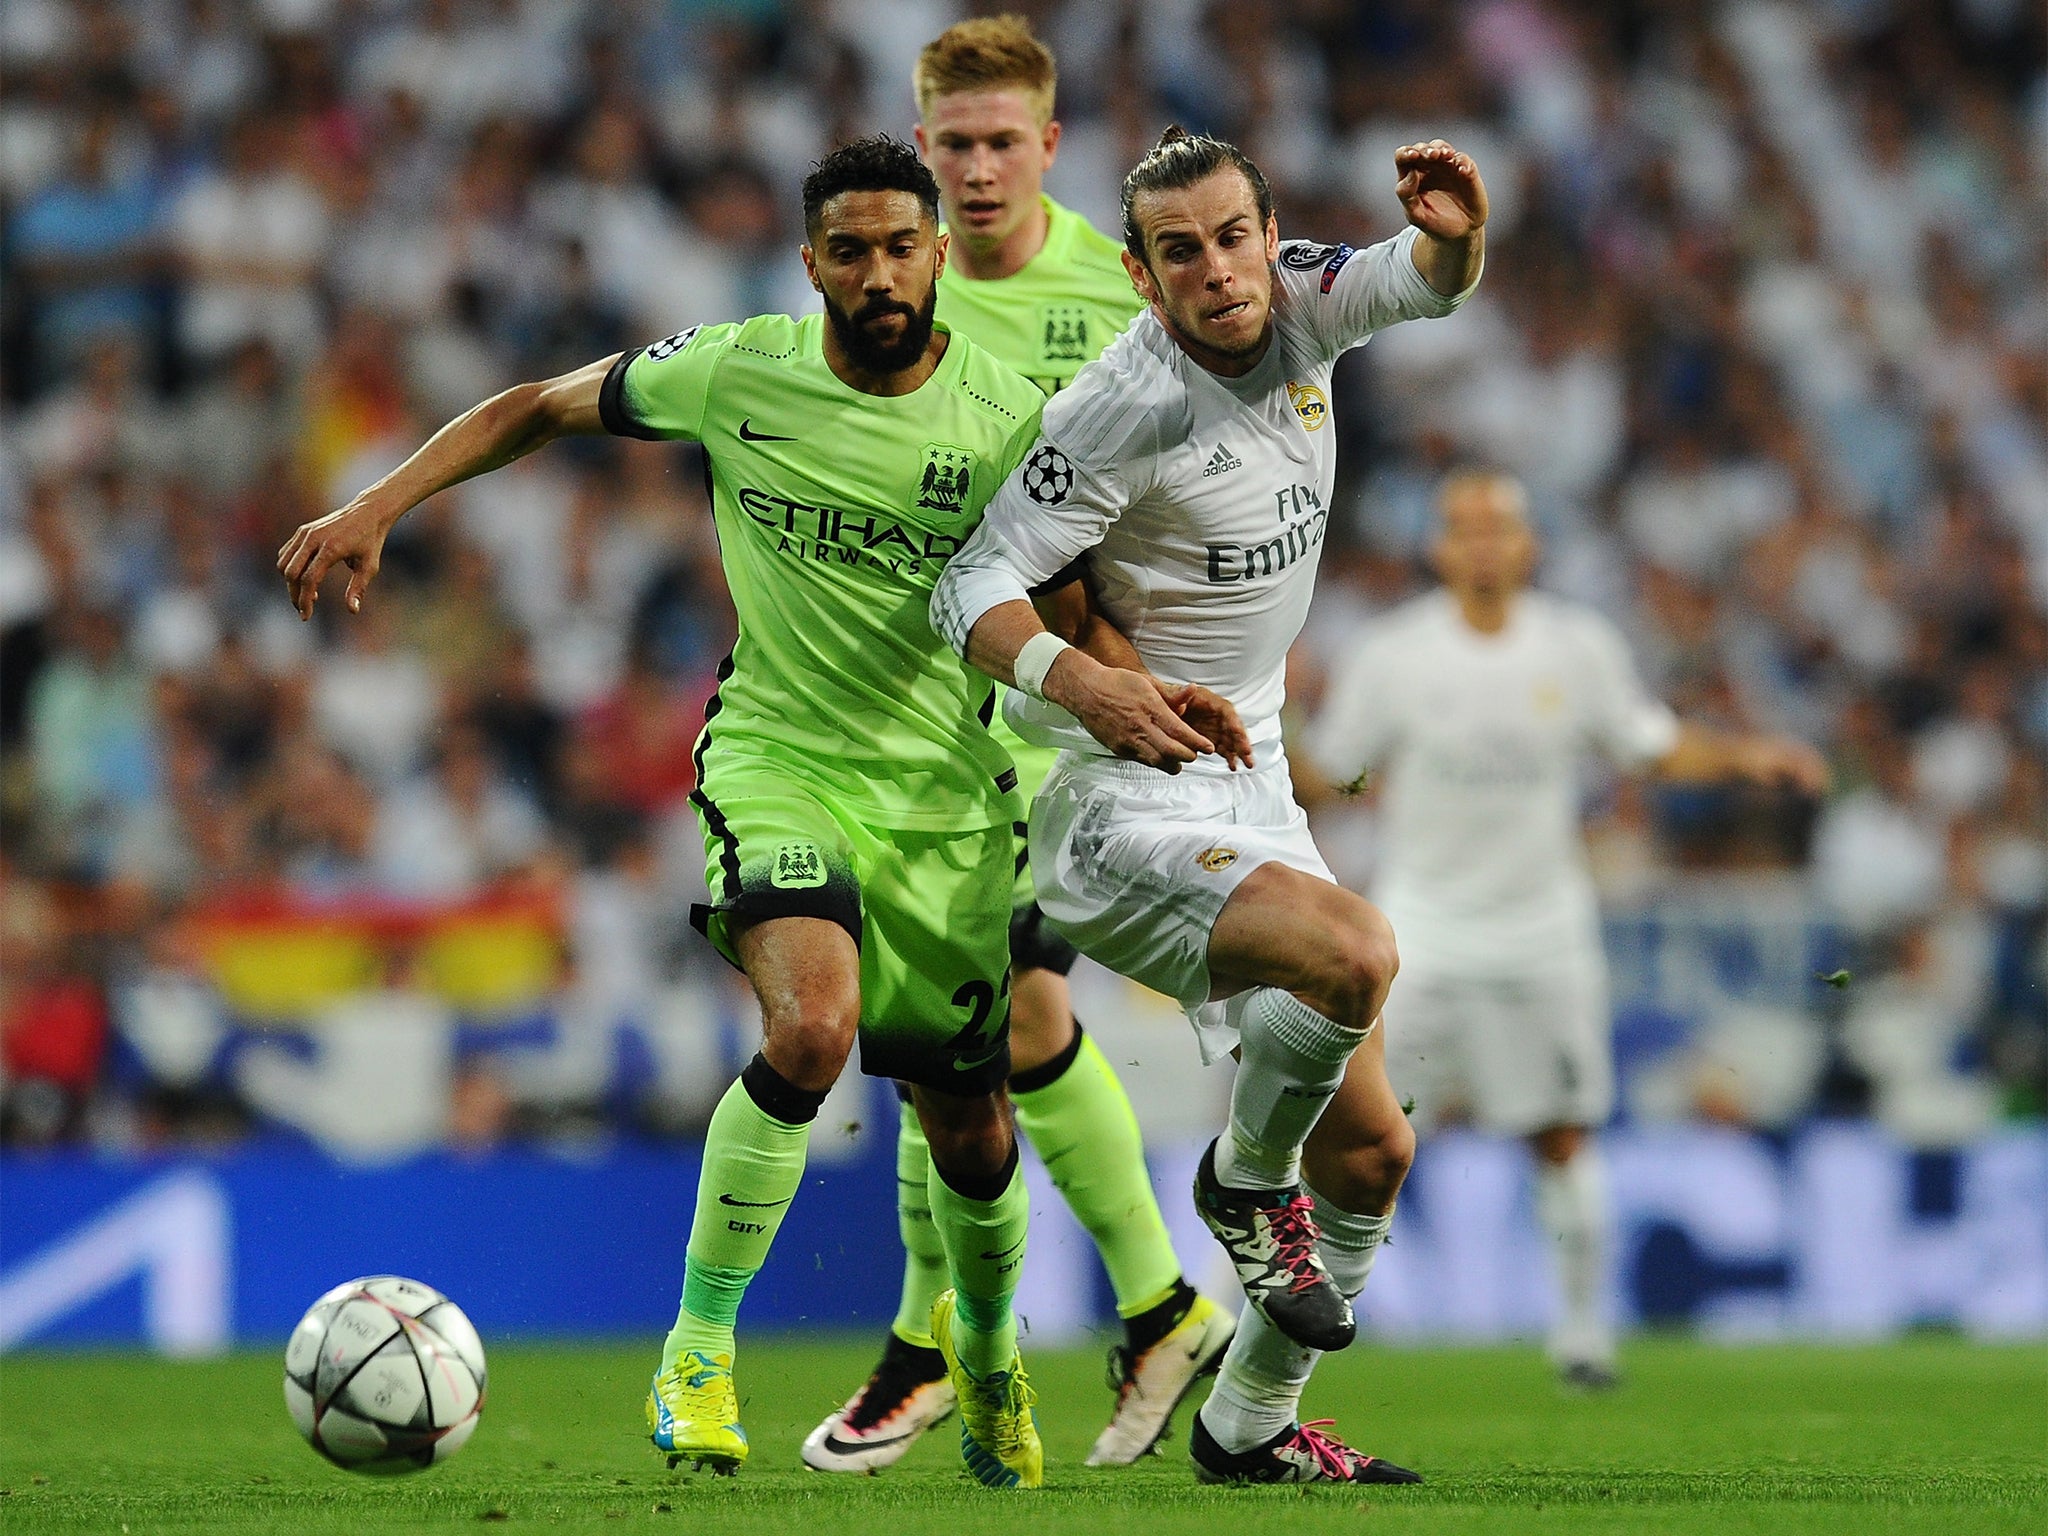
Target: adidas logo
{"type": "Point", "coordinates": [1221, 462]}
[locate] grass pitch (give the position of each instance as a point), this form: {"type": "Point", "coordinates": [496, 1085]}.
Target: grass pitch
{"type": "Point", "coordinates": [1931, 1435]}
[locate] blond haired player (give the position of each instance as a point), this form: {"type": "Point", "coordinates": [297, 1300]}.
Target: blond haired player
{"type": "Point", "coordinates": [1039, 287]}
{"type": "Point", "coordinates": [1474, 704]}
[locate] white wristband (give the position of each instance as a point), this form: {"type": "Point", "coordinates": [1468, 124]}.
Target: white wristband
{"type": "Point", "coordinates": [1035, 659]}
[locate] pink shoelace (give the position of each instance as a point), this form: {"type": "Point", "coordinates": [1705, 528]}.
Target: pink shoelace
{"type": "Point", "coordinates": [1294, 1236]}
{"type": "Point", "coordinates": [1334, 1459]}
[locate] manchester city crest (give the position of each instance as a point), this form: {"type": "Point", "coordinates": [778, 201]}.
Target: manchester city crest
{"type": "Point", "coordinates": [798, 867]}
{"type": "Point", "coordinates": [1063, 333]}
{"type": "Point", "coordinates": [947, 477]}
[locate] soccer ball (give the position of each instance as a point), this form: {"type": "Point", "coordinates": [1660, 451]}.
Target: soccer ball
{"type": "Point", "coordinates": [384, 1375]}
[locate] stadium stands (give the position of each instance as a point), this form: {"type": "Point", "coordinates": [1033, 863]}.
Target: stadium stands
{"type": "Point", "coordinates": [1765, 329]}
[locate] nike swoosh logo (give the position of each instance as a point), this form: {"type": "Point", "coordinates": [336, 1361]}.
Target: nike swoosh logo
{"type": "Point", "coordinates": [1007, 1251]}
{"type": "Point", "coordinates": [839, 1447]}
{"type": "Point", "coordinates": [756, 1205]}
{"type": "Point", "coordinates": [749, 435]}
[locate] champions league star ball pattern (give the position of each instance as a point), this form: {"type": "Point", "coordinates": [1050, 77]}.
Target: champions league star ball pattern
{"type": "Point", "coordinates": [384, 1375]}
{"type": "Point", "coordinates": [1048, 476]}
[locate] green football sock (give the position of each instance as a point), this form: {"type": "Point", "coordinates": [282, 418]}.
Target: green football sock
{"type": "Point", "coordinates": [924, 1255]}
{"type": "Point", "coordinates": [753, 1164]}
{"type": "Point", "coordinates": [1083, 1130]}
{"type": "Point", "coordinates": [985, 1254]}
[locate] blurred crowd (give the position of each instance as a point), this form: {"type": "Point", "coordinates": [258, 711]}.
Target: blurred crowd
{"type": "Point", "coordinates": [1764, 329]}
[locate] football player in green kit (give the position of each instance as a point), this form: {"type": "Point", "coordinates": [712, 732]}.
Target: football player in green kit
{"type": "Point", "coordinates": [859, 821]}
{"type": "Point", "coordinates": [1038, 286]}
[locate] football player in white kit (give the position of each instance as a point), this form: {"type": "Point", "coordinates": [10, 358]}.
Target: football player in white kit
{"type": "Point", "coordinates": [1475, 704]}
{"type": "Point", "coordinates": [1187, 475]}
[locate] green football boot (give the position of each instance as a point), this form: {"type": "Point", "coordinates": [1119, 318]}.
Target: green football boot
{"type": "Point", "coordinates": [998, 1432]}
{"type": "Point", "coordinates": [693, 1413]}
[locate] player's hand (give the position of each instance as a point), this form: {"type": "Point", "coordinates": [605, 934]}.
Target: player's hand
{"type": "Point", "coordinates": [1214, 717]}
{"type": "Point", "coordinates": [353, 537]}
{"type": "Point", "coordinates": [1126, 711]}
{"type": "Point", "coordinates": [1440, 190]}
{"type": "Point", "coordinates": [1783, 763]}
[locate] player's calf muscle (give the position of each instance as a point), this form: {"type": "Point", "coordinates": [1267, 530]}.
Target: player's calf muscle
{"type": "Point", "coordinates": [1363, 1170]}
{"type": "Point", "coordinates": [1360, 1151]}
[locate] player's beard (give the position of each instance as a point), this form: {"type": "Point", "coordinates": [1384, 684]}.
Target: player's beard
{"type": "Point", "coordinates": [881, 357]}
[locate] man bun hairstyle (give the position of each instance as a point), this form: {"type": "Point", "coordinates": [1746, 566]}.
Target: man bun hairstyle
{"type": "Point", "coordinates": [1178, 161]}
{"type": "Point", "coordinates": [878, 163]}
{"type": "Point", "coordinates": [988, 53]}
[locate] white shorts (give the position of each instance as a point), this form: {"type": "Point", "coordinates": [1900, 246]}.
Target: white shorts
{"type": "Point", "coordinates": [1133, 866]}
{"type": "Point", "coordinates": [1511, 1054]}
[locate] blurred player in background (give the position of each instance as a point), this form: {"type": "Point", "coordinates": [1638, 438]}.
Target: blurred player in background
{"type": "Point", "coordinates": [1039, 287]}
{"type": "Point", "coordinates": [859, 820]}
{"type": "Point", "coordinates": [1476, 703]}
{"type": "Point", "coordinates": [1188, 472]}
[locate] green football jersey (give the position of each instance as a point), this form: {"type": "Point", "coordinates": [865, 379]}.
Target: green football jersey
{"type": "Point", "coordinates": [1054, 315]}
{"type": "Point", "coordinates": [835, 511]}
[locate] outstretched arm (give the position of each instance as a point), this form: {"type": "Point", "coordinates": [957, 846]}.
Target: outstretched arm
{"type": "Point", "coordinates": [1702, 755]}
{"type": "Point", "coordinates": [1445, 200]}
{"type": "Point", "coordinates": [489, 436]}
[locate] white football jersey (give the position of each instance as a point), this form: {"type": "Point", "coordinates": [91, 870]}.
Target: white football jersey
{"type": "Point", "coordinates": [1200, 503]}
{"type": "Point", "coordinates": [1478, 739]}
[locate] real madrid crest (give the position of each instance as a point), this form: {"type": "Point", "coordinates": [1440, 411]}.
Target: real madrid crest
{"type": "Point", "coordinates": [1215, 860]}
{"type": "Point", "coordinates": [1309, 404]}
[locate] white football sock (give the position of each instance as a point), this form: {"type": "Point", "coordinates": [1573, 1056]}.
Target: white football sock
{"type": "Point", "coordinates": [1571, 1203]}
{"type": "Point", "coordinates": [1258, 1389]}
{"type": "Point", "coordinates": [1350, 1243]}
{"type": "Point", "coordinates": [1290, 1061]}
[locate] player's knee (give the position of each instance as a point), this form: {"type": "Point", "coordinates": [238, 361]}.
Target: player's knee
{"type": "Point", "coordinates": [1041, 1025]}
{"type": "Point", "coordinates": [1557, 1145]}
{"type": "Point", "coordinates": [810, 1039]}
{"type": "Point", "coordinates": [973, 1142]}
{"type": "Point", "coordinates": [1362, 968]}
{"type": "Point", "coordinates": [1397, 1150]}
{"type": "Point", "coordinates": [976, 1160]}
{"type": "Point", "coordinates": [811, 1058]}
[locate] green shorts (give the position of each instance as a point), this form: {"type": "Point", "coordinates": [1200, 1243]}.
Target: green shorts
{"type": "Point", "coordinates": [1034, 944]}
{"type": "Point", "coordinates": [929, 912]}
